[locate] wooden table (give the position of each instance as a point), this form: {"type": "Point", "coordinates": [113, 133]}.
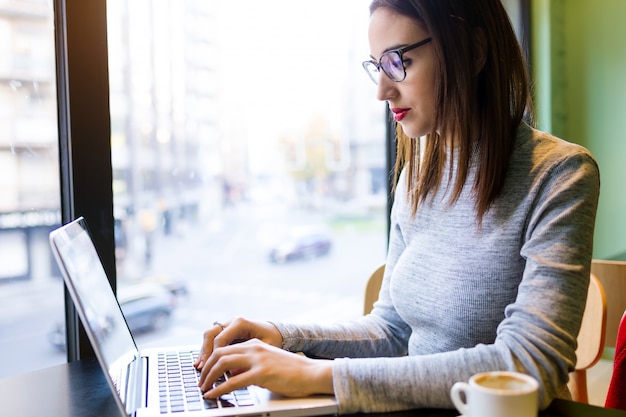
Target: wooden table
{"type": "Point", "coordinates": [79, 389]}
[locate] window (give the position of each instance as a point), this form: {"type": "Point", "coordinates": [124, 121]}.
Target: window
{"type": "Point", "coordinates": [31, 292]}
{"type": "Point", "coordinates": [248, 165]}
{"type": "Point", "coordinates": [235, 158]}
{"type": "Point", "coordinates": [249, 161]}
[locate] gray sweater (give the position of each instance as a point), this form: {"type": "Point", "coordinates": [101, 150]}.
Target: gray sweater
{"type": "Point", "coordinates": [456, 300]}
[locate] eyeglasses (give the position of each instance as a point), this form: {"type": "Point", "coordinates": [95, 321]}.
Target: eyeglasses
{"type": "Point", "coordinates": [392, 63]}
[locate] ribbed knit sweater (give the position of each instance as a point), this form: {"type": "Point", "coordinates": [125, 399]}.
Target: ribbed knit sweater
{"type": "Point", "coordinates": [457, 300]}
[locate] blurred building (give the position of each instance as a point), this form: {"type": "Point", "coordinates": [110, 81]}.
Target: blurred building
{"type": "Point", "coordinates": [180, 155]}
{"type": "Point", "coordinates": [29, 185]}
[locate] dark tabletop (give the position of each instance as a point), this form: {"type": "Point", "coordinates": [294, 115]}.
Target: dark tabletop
{"type": "Point", "coordinates": [79, 389]}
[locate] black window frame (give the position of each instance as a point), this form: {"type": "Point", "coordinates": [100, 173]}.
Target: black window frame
{"type": "Point", "coordinates": [84, 138]}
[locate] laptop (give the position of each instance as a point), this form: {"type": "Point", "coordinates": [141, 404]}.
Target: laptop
{"type": "Point", "coordinates": [155, 381]}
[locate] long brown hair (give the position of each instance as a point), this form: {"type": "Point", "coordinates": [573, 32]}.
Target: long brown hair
{"type": "Point", "coordinates": [480, 107]}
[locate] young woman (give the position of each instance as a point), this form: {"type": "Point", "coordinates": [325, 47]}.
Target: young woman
{"type": "Point", "coordinates": [491, 238]}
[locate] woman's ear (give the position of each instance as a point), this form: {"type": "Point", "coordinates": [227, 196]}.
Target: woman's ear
{"type": "Point", "coordinates": [480, 56]}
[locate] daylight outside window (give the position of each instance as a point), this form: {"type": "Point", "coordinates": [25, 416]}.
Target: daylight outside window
{"type": "Point", "coordinates": [249, 166]}
{"type": "Point", "coordinates": [31, 290]}
{"type": "Point", "coordinates": [248, 159]}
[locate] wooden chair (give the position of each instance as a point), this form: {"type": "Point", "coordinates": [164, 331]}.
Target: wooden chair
{"type": "Point", "coordinates": [612, 276]}
{"type": "Point", "coordinates": [372, 288]}
{"type": "Point", "coordinates": [590, 339]}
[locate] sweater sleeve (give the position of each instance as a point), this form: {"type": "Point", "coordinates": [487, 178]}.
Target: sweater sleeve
{"type": "Point", "coordinates": [538, 332]}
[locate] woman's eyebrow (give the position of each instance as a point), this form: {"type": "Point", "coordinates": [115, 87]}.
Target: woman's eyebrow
{"type": "Point", "coordinates": [391, 48]}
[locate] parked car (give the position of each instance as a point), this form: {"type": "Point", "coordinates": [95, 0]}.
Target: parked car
{"type": "Point", "coordinates": [146, 307]}
{"type": "Point", "coordinates": [176, 286]}
{"type": "Point", "coordinates": [302, 244]}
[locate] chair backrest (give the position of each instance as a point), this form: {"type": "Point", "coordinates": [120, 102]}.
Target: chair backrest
{"type": "Point", "coordinates": [612, 275]}
{"type": "Point", "coordinates": [372, 288]}
{"type": "Point", "coordinates": [616, 395]}
{"type": "Point", "coordinates": [590, 339]}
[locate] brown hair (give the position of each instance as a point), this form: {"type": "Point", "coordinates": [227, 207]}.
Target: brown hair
{"type": "Point", "coordinates": [480, 107]}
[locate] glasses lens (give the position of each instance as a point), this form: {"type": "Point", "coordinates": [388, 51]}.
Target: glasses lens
{"type": "Point", "coordinates": [372, 70]}
{"type": "Point", "coordinates": [391, 63]}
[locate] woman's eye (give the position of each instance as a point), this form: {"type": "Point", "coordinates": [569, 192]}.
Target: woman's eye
{"type": "Point", "coordinates": [396, 63]}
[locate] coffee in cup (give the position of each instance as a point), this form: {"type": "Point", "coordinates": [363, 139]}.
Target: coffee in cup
{"type": "Point", "coordinates": [497, 394]}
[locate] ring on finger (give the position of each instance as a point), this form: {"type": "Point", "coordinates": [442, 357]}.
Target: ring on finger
{"type": "Point", "coordinates": [217, 323]}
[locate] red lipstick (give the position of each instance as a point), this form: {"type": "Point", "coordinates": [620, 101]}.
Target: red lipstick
{"type": "Point", "coordinates": [399, 114]}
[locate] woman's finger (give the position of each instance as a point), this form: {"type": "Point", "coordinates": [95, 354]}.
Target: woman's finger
{"type": "Point", "coordinates": [221, 362]}
{"type": "Point", "coordinates": [216, 364]}
{"type": "Point", "coordinates": [240, 380]}
{"type": "Point", "coordinates": [208, 343]}
{"type": "Point", "coordinates": [235, 331]}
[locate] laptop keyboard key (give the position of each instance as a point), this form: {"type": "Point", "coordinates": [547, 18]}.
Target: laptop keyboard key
{"type": "Point", "coordinates": [178, 386]}
{"type": "Point", "coordinates": [210, 403]}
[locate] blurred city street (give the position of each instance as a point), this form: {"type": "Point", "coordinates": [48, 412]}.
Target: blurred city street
{"type": "Point", "coordinates": [226, 271]}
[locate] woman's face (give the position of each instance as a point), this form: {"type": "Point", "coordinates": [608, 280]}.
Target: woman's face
{"type": "Point", "coordinates": [412, 100]}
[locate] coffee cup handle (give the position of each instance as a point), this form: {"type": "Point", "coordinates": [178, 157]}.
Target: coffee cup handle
{"type": "Point", "coordinates": [456, 391]}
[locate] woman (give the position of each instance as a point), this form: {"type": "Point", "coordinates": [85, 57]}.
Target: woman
{"type": "Point", "coordinates": [491, 239]}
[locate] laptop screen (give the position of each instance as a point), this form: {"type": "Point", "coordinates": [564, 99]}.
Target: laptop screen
{"type": "Point", "coordinates": [94, 300]}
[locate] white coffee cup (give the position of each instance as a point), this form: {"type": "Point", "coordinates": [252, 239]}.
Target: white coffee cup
{"type": "Point", "coordinates": [497, 394]}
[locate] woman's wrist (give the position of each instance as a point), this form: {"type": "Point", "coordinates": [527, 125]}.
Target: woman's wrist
{"type": "Point", "coordinates": [274, 336]}
{"type": "Point", "coordinates": [321, 376]}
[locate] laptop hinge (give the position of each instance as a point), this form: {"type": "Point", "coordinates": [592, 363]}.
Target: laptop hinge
{"type": "Point", "coordinates": [137, 393]}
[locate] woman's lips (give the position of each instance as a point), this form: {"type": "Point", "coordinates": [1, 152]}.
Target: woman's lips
{"type": "Point", "coordinates": [399, 114]}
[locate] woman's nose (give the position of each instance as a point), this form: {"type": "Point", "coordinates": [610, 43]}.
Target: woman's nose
{"type": "Point", "coordinates": [386, 88]}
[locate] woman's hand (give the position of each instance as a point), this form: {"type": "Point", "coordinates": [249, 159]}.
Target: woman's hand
{"type": "Point", "coordinates": [254, 362]}
{"type": "Point", "coordinates": [236, 331]}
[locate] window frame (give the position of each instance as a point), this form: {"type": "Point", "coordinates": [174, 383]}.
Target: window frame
{"type": "Point", "coordinates": [84, 138]}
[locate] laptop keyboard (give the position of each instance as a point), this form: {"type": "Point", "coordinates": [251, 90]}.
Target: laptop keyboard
{"type": "Point", "coordinates": [178, 386]}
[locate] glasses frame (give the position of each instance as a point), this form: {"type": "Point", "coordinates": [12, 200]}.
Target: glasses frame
{"type": "Point", "coordinates": [400, 53]}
